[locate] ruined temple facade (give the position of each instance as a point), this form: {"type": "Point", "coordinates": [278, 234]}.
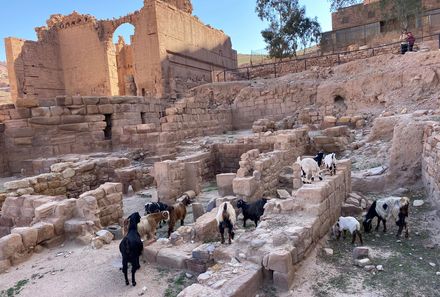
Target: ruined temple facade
{"type": "Point", "coordinates": [366, 24]}
{"type": "Point", "coordinates": [170, 52]}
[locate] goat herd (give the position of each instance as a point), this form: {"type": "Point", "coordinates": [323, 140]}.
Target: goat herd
{"type": "Point", "coordinates": [137, 228]}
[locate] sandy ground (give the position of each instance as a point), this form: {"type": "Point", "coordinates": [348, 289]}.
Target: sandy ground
{"type": "Point", "coordinates": [83, 272]}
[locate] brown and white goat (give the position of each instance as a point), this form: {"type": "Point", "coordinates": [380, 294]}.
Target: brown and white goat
{"type": "Point", "coordinates": [177, 212]}
{"type": "Point", "coordinates": [148, 224]}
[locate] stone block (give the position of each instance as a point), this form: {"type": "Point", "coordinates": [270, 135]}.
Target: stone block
{"type": "Point", "coordinates": [9, 245]}
{"type": "Point", "coordinates": [280, 261]}
{"type": "Point", "coordinates": [198, 210]}
{"type": "Point", "coordinates": [16, 184]}
{"type": "Point", "coordinates": [245, 186]}
{"type": "Point", "coordinates": [29, 236]}
{"type": "Point", "coordinates": [197, 290]}
{"type": "Point", "coordinates": [105, 236]}
{"type": "Point", "coordinates": [224, 183]}
{"type": "Point", "coordinates": [172, 258]}
{"type": "Point", "coordinates": [351, 210]}
{"type": "Point", "coordinates": [206, 227]}
{"type": "Point", "coordinates": [283, 281]}
{"type": "Point", "coordinates": [204, 252]}
{"type": "Point", "coordinates": [360, 253]}
{"type": "Point", "coordinates": [54, 242]}
{"type": "Point", "coordinates": [46, 210]}
{"type": "Point", "coordinates": [244, 285]}
{"type": "Point", "coordinates": [45, 231]}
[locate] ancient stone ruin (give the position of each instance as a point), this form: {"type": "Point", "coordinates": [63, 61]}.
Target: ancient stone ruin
{"type": "Point", "coordinates": [74, 154]}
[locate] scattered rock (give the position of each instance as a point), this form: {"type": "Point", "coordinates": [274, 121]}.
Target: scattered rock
{"type": "Point", "coordinates": [379, 267]}
{"type": "Point", "coordinates": [438, 273]}
{"type": "Point", "coordinates": [328, 251]}
{"type": "Point", "coordinates": [188, 275]}
{"type": "Point", "coordinates": [360, 253]}
{"type": "Point", "coordinates": [369, 267]}
{"type": "Point", "coordinates": [432, 264]}
{"type": "Point", "coordinates": [105, 235]}
{"type": "Point", "coordinates": [418, 203]}
{"type": "Point", "coordinates": [362, 262]}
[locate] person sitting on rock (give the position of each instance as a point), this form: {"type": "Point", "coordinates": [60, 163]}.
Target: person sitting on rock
{"type": "Point", "coordinates": [403, 42]}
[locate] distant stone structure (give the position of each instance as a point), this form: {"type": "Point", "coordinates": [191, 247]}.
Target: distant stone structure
{"type": "Point", "coordinates": [170, 52]}
{"type": "Point", "coordinates": [365, 24]}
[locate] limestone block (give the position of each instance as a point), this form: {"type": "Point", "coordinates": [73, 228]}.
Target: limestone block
{"type": "Point", "coordinates": [198, 210]}
{"type": "Point", "coordinates": [45, 231]}
{"type": "Point", "coordinates": [46, 210]}
{"type": "Point", "coordinates": [172, 258]}
{"type": "Point", "coordinates": [351, 210]}
{"type": "Point", "coordinates": [224, 183]}
{"type": "Point", "coordinates": [280, 261]}
{"type": "Point", "coordinates": [9, 245]}
{"type": "Point", "coordinates": [360, 253]}
{"type": "Point", "coordinates": [4, 265]}
{"type": "Point", "coordinates": [29, 236]}
{"type": "Point", "coordinates": [313, 193]}
{"type": "Point", "coordinates": [283, 281]}
{"type": "Point", "coordinates": [246, 284]}
{"type": "Point", "coordinates": [245, 186]}
{"type": "Point", "coordinates": [16, 184]}
{"type": "Point", "coordinates": [105, 236]}
{"type": "Point", "coordinates": [206, 227]}
{"type": "Point", "coordinates": [197, 290]}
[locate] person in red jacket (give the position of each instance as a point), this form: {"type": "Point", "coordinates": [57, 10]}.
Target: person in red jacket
{"type": "Point", "coordinates": [411, 40]}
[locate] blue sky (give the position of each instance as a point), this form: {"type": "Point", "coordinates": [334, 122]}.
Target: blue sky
{"type": "Point", "coordinates": [237, 18]}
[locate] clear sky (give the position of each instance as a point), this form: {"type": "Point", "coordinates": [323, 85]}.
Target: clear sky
{"type": "Point", "coordinates": [237, 18]}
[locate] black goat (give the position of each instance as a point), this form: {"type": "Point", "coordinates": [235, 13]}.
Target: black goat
{"type": "Point", "coordinates": [131, 248]}
{"type": "Point", "coordinates": [252, 211]}
{"type": "Point", "coordinates": [318, 158]}
{"type": "Point", "coordinates": [153, 207]}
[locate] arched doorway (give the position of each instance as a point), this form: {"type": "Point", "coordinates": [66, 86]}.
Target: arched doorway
{"type": "Point", "coordinates": [123, 39]}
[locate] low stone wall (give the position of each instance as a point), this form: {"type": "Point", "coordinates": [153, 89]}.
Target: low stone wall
{"type": "Point", "coordinates": [288, 232]}
{"type": "Point", "coordinates": [109, 199]}
{"type": "Point", "coordinates": [430, 161]}
{"type": "Point", "coordinates": [331, 140]}
{"type": "Point", "coordinates": [71, 178]}
{"type": "Point", "coordinates": [35, 221]}
{"type": "Point", "coordinates": [258, 175]}
{"type": "Point", "coordinates": [228, 154]}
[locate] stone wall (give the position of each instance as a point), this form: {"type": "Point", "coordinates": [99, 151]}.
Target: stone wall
{"type": "Point", "coordinates": [430, 161]}
{"type": "Point", "coordinates": [77, 125]}
{"type": "Point", "coordinates": [258, 175]}
{"type": "Point", "coordinates": [73, 178]}
{"type": "Point", "coordinates": [288, 232]}
{"type": "Point", "coordinates": [171, 52]}
{"type": "Point", "coordinates": [35, 221]}
{"type": "Point", "coordinates": [109, 199]}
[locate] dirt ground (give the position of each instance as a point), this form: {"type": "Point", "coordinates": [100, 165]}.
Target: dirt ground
{"type": "Point", "coordinates": [410, 265]}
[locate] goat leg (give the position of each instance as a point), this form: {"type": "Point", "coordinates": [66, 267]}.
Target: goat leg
{"type": "Point", "coordinates": [222, 232]}
{"type": "Point", "coordinates": [406, 231]}
{"type": "Point", "coordinates": [360, 237]}
{"type": "Point", "coordinates": [181, 222]}
{"type": "Point", "coordinates": [133, 272]}
{"type": "Point", "coordinates": [339, 235]}
{"type": "Point", "coordinates": [244, 222]}
{"type": "Point", "coordinates": [384, 225]}
{"type": "Point", "coordinates": [353, 237]}
{"type": "Point", "coordinates": [124, 270]}
{"type": "Point", "coordinates": [378, 223]}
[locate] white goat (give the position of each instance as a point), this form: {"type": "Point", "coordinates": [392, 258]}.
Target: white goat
{"type": "Point", "coordinates": [309, 169]}
{"type": "Point", "coordinates": [384, 209]}
{"type": "Point", "coordinates": [226, 218]}
{"type": "Point", "coordinates": [330, 163]}
{"type": "Point", "coordinates": [349, 224]}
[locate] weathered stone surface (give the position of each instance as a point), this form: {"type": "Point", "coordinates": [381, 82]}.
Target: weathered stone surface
{"type": "Point", "coordinates": [224, 183]}
{"type": "Point", "coordinates": [45, 231]}
{"type": "Point", "coordinates": [198, 210]}
{"type": "Point", "coordinates": [280, 261]}
{"type": "Point", "coordinates": [9, 245]}
{"type": "Point", "coordinates": [172, 258]}
{"type": "Point", "coordinates": [29, 236]}
{"type": "Point", "coordinates": [360, 252]}
{"type": "Point", "coordinates": [105, 236]}
{"type": "Point", "coordinates": [197, 290]}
